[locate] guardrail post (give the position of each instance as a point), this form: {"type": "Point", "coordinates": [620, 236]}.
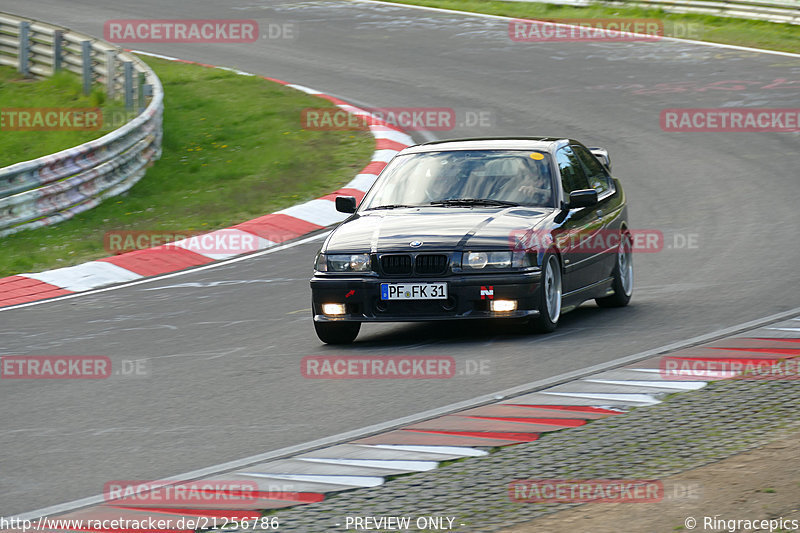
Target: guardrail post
{"type": "Point", "coordinates": [86, 59]}
{"type": "Point", "coordinates": [111, 66]}
{"type": "Point", "coordinates": [128, 85]}
{"type": "Point", "coordinates": [24, 48]}
{"type": "Point", "coordinates": [58, 50]}
{"type": "Point", "coordinates": [140, 91]}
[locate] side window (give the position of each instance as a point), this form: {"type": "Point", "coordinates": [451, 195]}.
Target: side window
{"type": "Point", "coordinates": [572, 176]}
{"type": "Point", "coordinates": [595, 173]}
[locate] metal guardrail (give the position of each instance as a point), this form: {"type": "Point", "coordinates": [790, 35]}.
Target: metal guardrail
{"type": "Point", "coordinates": [770, 10]}
{"type": "Point", "coordinates": [56, 187]}
{"type": "Point", "coordinates": [787, 11]}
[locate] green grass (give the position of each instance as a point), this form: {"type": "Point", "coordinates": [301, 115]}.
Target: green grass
{"type": "Point", "coordinates": [64, 90]}
{"type": "Point", "coordinates": [726, 30]}
{"type": "Point", "coordinates": [233, 148]}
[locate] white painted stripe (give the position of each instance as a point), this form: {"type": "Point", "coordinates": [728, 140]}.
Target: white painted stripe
{"type": "Point", "coordinates": [651, 370]}
{"type": "Point", "coordinates": [303, 88]}
{"type": "Point", "coordinates": [389, 464]}
{"type": "Point", "coordinates": [227, 239]}
{"type": "Point", "coordinates": [445, 450]}
{"type": "Point", "coordinates": [85, 276]}
{"type": "Point", "coordinates": [351, 481]}
{"type": "Point", "coordinates": [384, 155]}
{"type": "Point", "coordinates": [786, 329]}
{"type": "Point", "coordinates": [382, 132]}
{"type": "Point", "coordinates": [710, 374]}
{"type": "Point", "coordinates": [236, 71]}
{"type": "Point", "coordinates": [160, 56]}
{"type": "Point", "coordinates": [362, 182]}
{"type": "Point", "coordinates": [621, 397]}
{"type": "Point", "coordinates": [680, 385]}
{"type": "Point", "coordinates": [355, 110]}
{"type": "Point", "coordinates": [320, 212]}
{"type": "Point", "coordinates": [385, 127]}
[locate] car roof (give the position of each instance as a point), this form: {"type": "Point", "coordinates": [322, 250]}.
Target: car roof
{"type": "Point", "coordinates": [489, 143]}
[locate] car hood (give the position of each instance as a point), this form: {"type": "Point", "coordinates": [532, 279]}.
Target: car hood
{"type": "Point", "coordinates": [445, 228]}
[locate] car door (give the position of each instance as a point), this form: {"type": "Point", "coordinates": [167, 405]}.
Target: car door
{"type": "Point", "coordinates": [608, 211]}
{"type": "Point", "coordinates": [578, 228]}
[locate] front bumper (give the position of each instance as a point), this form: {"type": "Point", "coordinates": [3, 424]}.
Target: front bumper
{"type": "Point", "coordinates": [361, 296]}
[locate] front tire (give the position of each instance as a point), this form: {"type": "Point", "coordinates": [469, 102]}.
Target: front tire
{"type": "Point", "coordinates": [622, 275]}
{"type": "Point", "coordinates": [337, 332]}
{"type": "Point", "coordinates": [549, 296]}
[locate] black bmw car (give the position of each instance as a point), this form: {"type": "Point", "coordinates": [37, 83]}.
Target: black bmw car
{"type": "Point", "coordinates": [512, 228]}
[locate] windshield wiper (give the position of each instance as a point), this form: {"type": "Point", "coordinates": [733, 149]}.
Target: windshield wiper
{"type": "Point", "coordinates": [475, 201]}
{"type": "Point", "coordinates": [390, 206]}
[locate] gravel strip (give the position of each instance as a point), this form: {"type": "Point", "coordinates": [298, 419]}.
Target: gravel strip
{"type": "Point", "coordinates": [687, 430]}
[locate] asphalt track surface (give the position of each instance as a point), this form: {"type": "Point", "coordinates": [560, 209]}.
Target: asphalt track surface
{"type": "Point", "coordinates": [223, 345]}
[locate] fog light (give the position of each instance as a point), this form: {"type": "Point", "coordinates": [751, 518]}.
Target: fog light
{"type": "Point", "coordinates": [503, 306]}
{"type": "Point", "coordinates": [333, 309]}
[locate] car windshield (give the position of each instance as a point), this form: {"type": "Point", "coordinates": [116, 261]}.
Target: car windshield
{"type": "Point", "coordinates": [493, 178]}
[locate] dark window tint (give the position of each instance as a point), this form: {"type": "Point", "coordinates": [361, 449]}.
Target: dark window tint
{"type": "Point", "coordinates": [596, 174]}
{"type": "Point", "coordinates": [572, 176]}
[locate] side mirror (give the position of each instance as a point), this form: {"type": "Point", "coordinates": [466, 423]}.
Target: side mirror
{"type": "Point", "coordinates": [347, 204]}
{"type": "Point", "coordinates": [582, 198]}
{"type": "Point", "coordinates": [602, 155]}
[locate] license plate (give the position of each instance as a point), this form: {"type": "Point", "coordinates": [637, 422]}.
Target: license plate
{"type": "Point", "coordinates": [413, 291]}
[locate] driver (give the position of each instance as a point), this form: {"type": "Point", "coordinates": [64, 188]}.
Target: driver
{"type": "Point", "coordinates": [527, 185]}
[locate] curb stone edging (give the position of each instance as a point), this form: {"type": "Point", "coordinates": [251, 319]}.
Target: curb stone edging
{"type": "Point", "coordinates": [726, 417]}
{"type": "Point", "coordinates": [270, 230]}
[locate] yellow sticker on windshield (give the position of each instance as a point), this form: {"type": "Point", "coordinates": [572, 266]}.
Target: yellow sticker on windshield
{"type": "Point", "coordinates": [537, 156]}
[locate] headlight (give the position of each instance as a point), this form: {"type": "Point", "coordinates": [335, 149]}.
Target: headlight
{"type": "Point", "coordinates": [496, 260]}
{"type": "Point", "coordinates": [343, 263]}
{"type": "Point", "coordinates": [479, 260]}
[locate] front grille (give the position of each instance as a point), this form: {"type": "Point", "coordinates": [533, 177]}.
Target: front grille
{"type": "Point", "coordinates": [431, 264]}
{"type": "Point", "coordinates": [396, 264]}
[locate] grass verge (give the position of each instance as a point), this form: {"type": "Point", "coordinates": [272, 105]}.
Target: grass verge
{"type": "Point", "coordinates": [64, 90]}
{"type": "Point", "coordinates": [725, 30]}
{"type": "Point", "coordinates": [234, 149]}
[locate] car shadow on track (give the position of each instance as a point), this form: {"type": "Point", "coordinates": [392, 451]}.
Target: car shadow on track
{"type": "Point", "coordinates": [444, 332]}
